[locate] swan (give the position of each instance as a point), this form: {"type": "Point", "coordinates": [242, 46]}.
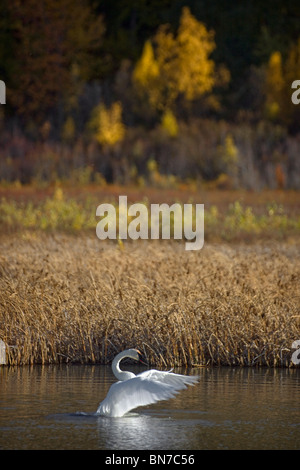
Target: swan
{"type": "Point", "coordinates": [142, 389]}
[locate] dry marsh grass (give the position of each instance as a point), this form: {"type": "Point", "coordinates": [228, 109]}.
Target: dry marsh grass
{"type": "Point", "coordinates": [77, 299]}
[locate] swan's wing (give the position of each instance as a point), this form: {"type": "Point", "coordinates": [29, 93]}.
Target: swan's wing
{"type": "Point", "coordinates": [138, 391]}
{"type": "Point", "coordinates": [176, 381]}
{"type": "Point", "coordinates": [146, 388]}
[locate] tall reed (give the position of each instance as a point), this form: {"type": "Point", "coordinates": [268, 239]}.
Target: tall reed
{"type": "Point", "coordinates": [78, 299]}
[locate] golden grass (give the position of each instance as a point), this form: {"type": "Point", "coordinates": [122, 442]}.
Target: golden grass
{"type": "Point", "coordinates": [67, 298]}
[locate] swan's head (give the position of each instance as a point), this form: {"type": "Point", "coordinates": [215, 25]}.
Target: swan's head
{"type": "Point", "coordinates": [137, 355]}
{"type": "Point", "coordinates": [133, 354]}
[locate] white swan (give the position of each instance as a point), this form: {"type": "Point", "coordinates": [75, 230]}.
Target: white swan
{"type": "Point", "coordinates": [143, 389]}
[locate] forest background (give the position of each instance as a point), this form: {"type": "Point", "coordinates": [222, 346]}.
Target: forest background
{"type": "Point", "coordinates": [150, 93]}
{"type": "Point", "coordinates": [163, 101]}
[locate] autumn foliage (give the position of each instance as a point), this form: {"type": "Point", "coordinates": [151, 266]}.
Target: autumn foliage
{"type": "Point", "coordinates": [180, 65]}
{"type": "Point", "coordinates": [204, 92]}
{"type": "Point", "coordinates": [52, 45]}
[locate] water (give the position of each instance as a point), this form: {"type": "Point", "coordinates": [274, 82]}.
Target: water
{"type": "Point", "coordinates": [52, 407]}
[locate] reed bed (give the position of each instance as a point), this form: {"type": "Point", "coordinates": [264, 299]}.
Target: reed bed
{"type": "Point", "coordinates": [67, 298]}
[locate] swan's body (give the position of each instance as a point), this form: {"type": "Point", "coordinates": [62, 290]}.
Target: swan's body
{"type": "Point", "coordinates": [139, 390]}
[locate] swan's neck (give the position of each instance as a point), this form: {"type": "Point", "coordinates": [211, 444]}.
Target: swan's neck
{"type": "Point", "coordinates": [121, 374]}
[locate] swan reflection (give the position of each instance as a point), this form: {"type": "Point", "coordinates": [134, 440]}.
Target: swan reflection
{"type": "Point", "coordinates": [141, 431]}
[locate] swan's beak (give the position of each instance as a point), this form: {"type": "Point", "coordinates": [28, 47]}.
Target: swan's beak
{"type": "Point", "coordinates": [143, 360]}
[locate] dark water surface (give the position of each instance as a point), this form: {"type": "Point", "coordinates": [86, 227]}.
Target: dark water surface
{"type": "Point", "coordinates": [52, 407]}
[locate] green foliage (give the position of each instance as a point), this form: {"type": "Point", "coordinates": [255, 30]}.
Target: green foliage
{"type": "Point", "coordinates": [55, 213]}
{"type": "Point", "coordinates": [235, 222]}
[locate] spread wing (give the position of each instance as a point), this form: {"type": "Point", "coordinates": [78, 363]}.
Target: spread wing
{"type": "Point", "coordinates": [146, 388]}
{"type": "Point", "coordinates": [177, 381]}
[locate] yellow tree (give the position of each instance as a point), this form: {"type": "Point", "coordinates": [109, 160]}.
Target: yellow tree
{"type": "Point", "coordinates": [292, 64]}
{"type": "Point", "coordinates": [195, 69]}
{"type": "Point", "coordinates": [274, 85]}
{"type": "Point", "coordinates": [146, 74]}
{"type": "Point", "coordinates": [107, 125]}
{"type": "Point", "coordinates": [291, 70]}
{"type": "Point", "coordinates": [108, 130]}
{"type": "Point", "coordinates": [279, 78]}
{"type": "Point", "coordinates": [180, 64]}
{"type": "Point", "coordinates": [169, 123]}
